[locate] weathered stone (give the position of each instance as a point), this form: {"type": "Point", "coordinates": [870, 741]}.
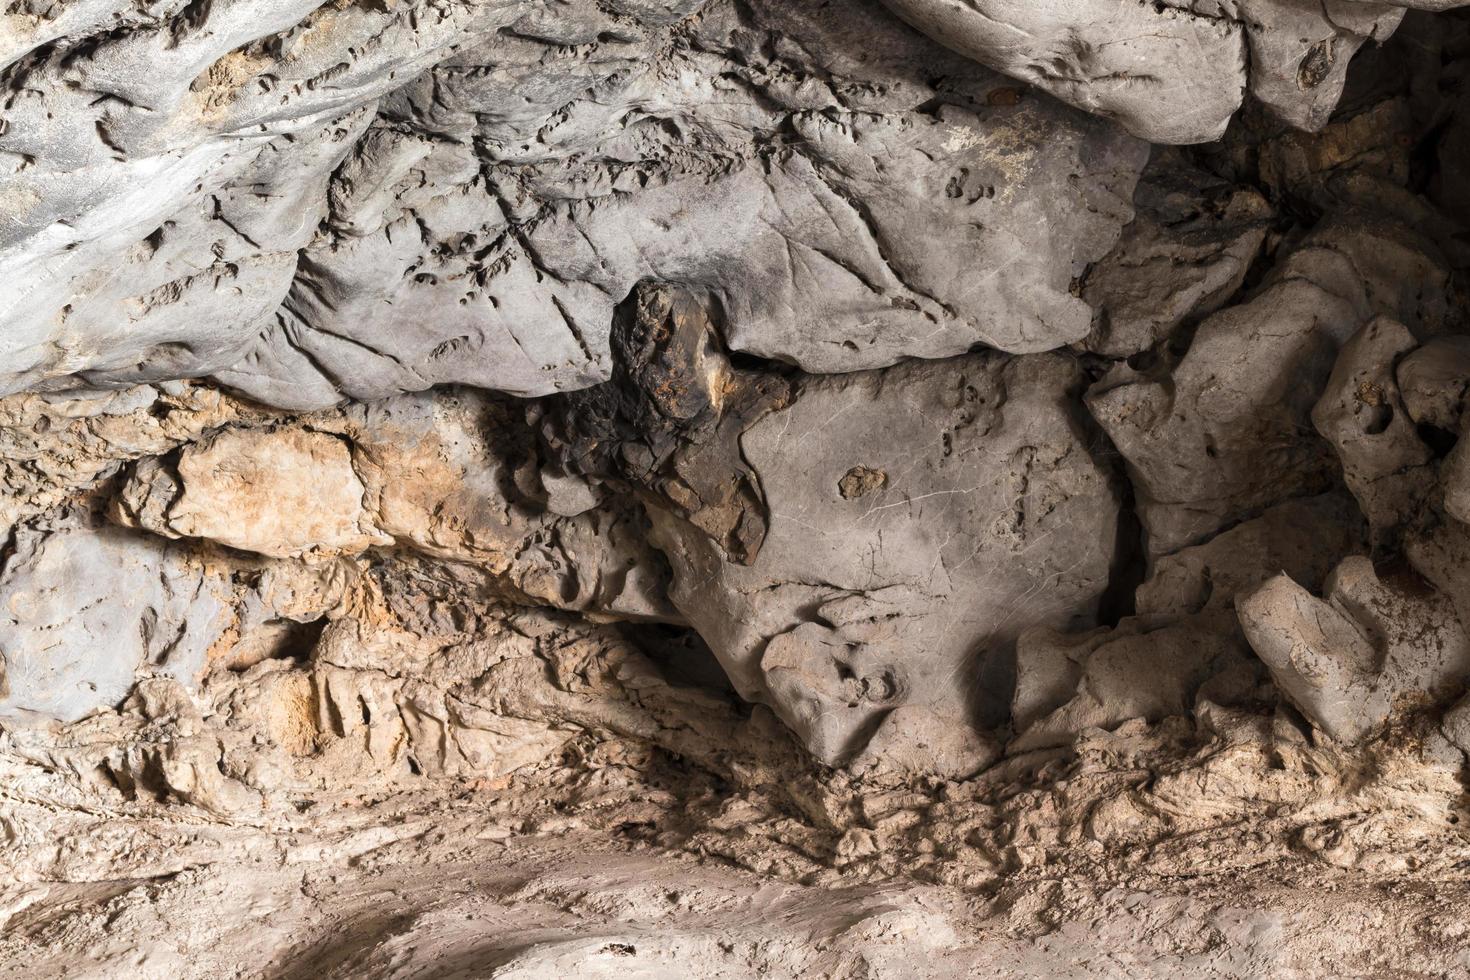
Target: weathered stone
{"type": "Point", "coordinates": [993, 518]}
{"type": "Point", "coordinates": [83, 610]}
{"type": "Point", "coordinates": [1434, 380]}
{"type": "Point", "coordinates": [1385, 464]}
{"type": "Point", "coordinates": [806, 602]}
{"type": "Point", "coordinates": [1146, 668]}
{"type": "Point", "coordinates": [1302, 538]}
{"type": "Point", "coordinates": [912, 741]}
{"type": "Point", "coordinates": [671, 419]}
{"type": "Point", "coordinates": [1185, 255]}
{"type": "Point", "coordinates": [1172, 72]}
{"type": "Point", "coordinates": [308, 202]}
{"type": "Point", "coordinates": [1371, 647]}
{"type": "Point", "coordinates": [436, 474]}
{"type": "Point", "coordinates": [285, 493]}
{"type": "Point", "coordinates": [1225, 432]}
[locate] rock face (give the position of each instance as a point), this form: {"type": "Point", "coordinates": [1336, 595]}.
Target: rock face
{"type": "Point", "coordinates": [707, 488]}
{"type": "Point", "coordinates": [823, 532]}
{"type": "Point", "coordinates": [284, 494]}
{"type": "Point", "coordinates": [1345, 661]}
{"type": "Point", "coordinates": [1226, 430]}
{"type": "Point", "coordinates": [430, 192]}
{"type": "Point", "coordinates": [1172, 72]}
{"type": "Point", "coordinates": [1071, 683]}
{"type": "Point", "coordinates": [1186, 253]}
{"type": "Point", "coordinates": [930, 507]}
{"type": "Point", "coordinates": [87, 610]}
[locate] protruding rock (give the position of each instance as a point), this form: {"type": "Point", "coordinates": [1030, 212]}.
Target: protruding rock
{"type": "Point", "coordinates": [669, 422]}
{"type": "Point", "coordinates": [833, 691]}
{"type": "Point", "coordinates": [407, 201]}
{"type": "Point", "coordinates": [1350, 660]}
{"type": "Point", "coordinates": [83, 610]}
{"type": "Point", "coordinates": [992, 517]}
{"type": "Point", "coordinates": [1191, 242]}
{"type": "Point", "coordinates": [1223, 434]}
{"type": "Point", "coordinates": [1302, 538]}
{"type": "Point", "coordinates": [1384, 462]}
{"type": "Point", "coordinates": [1434, 381]}
{"type": "Point", "coordinates": [912, 740]}
{"type": "Point", "coordinates": [1146, 667]}
{"type": "Point", "coordinates": [283, 492]}
{"type": "Point", "coordinates": [1171, 72]}
{"type": "Point", "coordinates": [1455, 725]}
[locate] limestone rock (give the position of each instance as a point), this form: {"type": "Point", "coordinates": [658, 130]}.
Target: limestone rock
{"type": "Point", "coordinates": [1384, 462]}
{"type": "Point", "coordinates": [1455, 478]}
{"type": "Point", "coordinates": [1438, 548]}
{"type": "Point", "coordinates": [1172, 72]}
{"type": "Point", "coordinates": [712, 487]}
{"type": "Point", "coordinates": [309, 203]}
{"type": "Point", "coordinates": [1191, 242]}
{"type": "Point", "coordinates": [285, 493]}
{"type": "Point", "coordinates": [1302, 538]}
{"type": "Point", "coordinates": [455, 475]}
{"type": "Point", "coordinates": [1145, 668]}
{"type": "Point", "coordinates": [1367, 143]}
{"type": "Point", "coordinates": [1456, 725]}
{"type": "Point", "coordinates": [992, 517]}
{"type": "Point", "coordinates": [1370, 647]}
{"type": "Point", "coordinates": [84, 610]}
{"type": "Point", "coordinates": [670, 421]}
{"type": "Point", "coordinates": [912, 740]}
{"type": "Point", "coordinates": [183, 768]}
{"type": "Point", "coordinates": [1434, 380]}
{"type": "Point", "coordinates": [1219, 436]}
{"type": "Point", "coordinates": [56, 446]}
{"type": "Point", "coordinates": [444, 475]}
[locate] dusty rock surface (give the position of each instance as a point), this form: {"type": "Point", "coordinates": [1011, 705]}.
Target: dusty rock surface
{"type": "Point", "coordinates": [1172, 72]}
{"type": "Point", "coordinates": [727, 488]}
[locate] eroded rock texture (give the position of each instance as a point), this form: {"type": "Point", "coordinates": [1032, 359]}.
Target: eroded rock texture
{"type": "Point", "coordinates": [1172, 72]}
{"type": "Point", "coordinates": [312, 202]}
{"type": "Point", "coordinates": [869, 488]}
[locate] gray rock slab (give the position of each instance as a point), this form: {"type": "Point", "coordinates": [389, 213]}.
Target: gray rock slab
{"type": "Point", "coordinates": [83, 610]}
{"type": "Point", "coordinates": [869, 594]}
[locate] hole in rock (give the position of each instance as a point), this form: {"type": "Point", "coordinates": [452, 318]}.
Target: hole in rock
{"type": "Point", "coordinates": [1440, 441]}
{"type": "Point", "coordinates": [1377, 419]}
{"type": "Point", "coordinates": [681, 654]}
{"type": "Point", "coordinates": [277, 639]}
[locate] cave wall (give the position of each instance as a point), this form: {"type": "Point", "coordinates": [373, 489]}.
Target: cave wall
{"type": "Point", "coordinates": [829, 397]}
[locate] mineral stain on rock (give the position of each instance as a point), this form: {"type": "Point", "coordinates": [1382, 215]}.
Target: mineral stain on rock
{"type": "Point", "coordinates": [861, 481]}
{"type": "Point", "coordinates": [698, 488]}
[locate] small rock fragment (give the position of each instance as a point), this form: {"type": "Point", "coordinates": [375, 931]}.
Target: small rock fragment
{"type": "Point", "coordinates": [861, 481]}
